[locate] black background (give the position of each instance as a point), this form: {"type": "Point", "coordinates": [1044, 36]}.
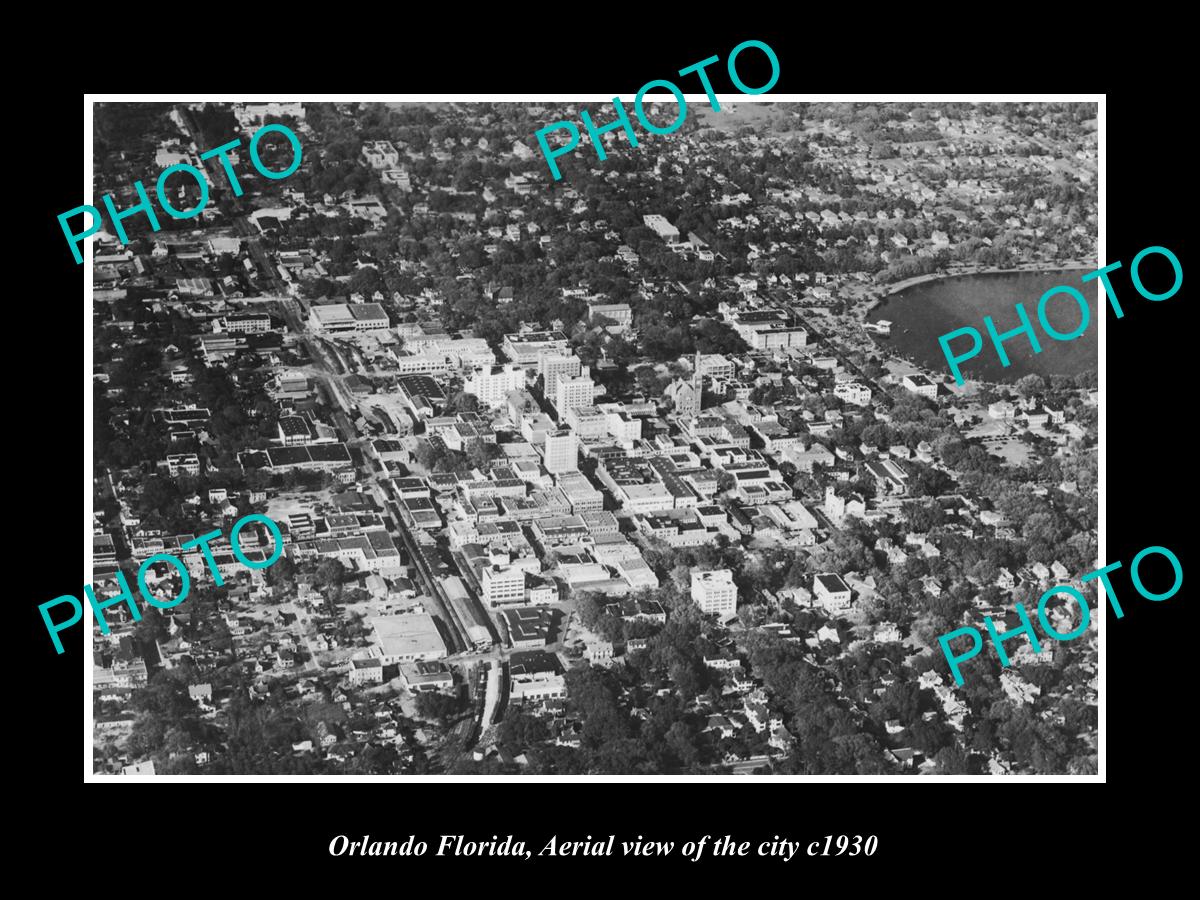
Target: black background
{"type": "Point", "coordinates": [943, 834]}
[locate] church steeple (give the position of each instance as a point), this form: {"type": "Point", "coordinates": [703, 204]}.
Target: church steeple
{"type": "Point", "coordinates": [698, 382]}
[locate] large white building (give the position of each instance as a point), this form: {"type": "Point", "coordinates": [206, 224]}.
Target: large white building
{"type": "Point", "coordinates": [406, 638]}
{"type": "Point", "coordinates": [919, 384]}
{"type": "Point", "coordinates": [624, 428]}
{"type": "Point", "coordinates": [778, 338]}
{"type": "Point", "coordinates": [573, 392]}
{"type": "Point", "coordinates": [562, 454]}
{"type": "Point", "coordinates": [767, 329]}
{"type": "Point", "coordinates": [619, 313]}
{"type": "Point", "coordinates": [714, 365]}
{"type": "Point", "coordinates": [380, 154]}
{"type": "Point", "coordinates": [252, 114]}
{"type": "Point", "coordinates": [831, 592]}
{"type": "Point", "coordinates": [525, 348]}
{"type": "Point", "coordinates": [853, 392]}
{"type": "Point", "coordinates": [250, 323]}
{"type": "Point", "coordinates": [552, 367]}
{"type": "Point", "coordinates": [660, 226]}
{"type": "Point", "coordinates": [462, 353]}
{"type": "Point", "coordinates": [580, 493]}
{"type": "Point", "coordinates": [714, 592]}
{"type": "Point", "coordinates": [586, 421]}
{"type": "Point", "coordinates": [340, 318]}
{"type": "Point", "coordinates": [537, 687]}
{"type": "Point", "coordinates": [493, 384]}
{"type": "Point", "coordinates": [503, 586]}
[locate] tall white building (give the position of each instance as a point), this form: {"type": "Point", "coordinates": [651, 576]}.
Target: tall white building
{"type": "Point", "coordinates": [714, 592]}
{"type": "Point", "coordinates": [573, 392]}
{"type": "Point", "coordinates": [552, 367]}
{"type": "Point", "coordinates": [562, 454]}
{"type": "Point", "coordinates": [493, 384]}
{"type": "Point", "coordinates": [503, 586]}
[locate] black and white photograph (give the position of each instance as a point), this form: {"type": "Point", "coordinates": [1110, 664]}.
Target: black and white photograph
{"type": "Point", "coordinates": [478, 438]}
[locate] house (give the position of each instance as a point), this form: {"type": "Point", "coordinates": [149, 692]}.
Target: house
{"type": "Point", "coordinates": [200, 693]}
{"type": "Point", "coordinates": [722, 725]}
{"type": "Point", "coordinates": [326, 734]}
{"type": "Point", "coordinates": [905, 757]}
{"type": "Point", "coordinates": [781, 739]}
{"type": "Point", "coordinates": [600, 652]}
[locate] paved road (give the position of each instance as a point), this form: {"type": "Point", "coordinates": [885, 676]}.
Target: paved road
{"type": "Point", "coordinates": [267, 280]}
{"type": "Point", "coordinates": [877, 390]}
{"type": "Point", "coordinates": [440, 601]}
{"type": "Point", "coordinates": [331, 372]}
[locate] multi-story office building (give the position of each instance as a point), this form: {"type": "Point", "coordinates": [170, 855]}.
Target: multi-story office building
{"type": "Point", "coordinates": [553, 366]}
{"type": "Point", "coordinates": [562, 454]}
{"type": "Point", "coordinates": [573, 392]}
{"type": "Point", "coordinates": [250, 323]}
{"type": "Point", "coordinates": [524, 349]}
{"type": "Point", "coordinates": [493, 384]}
{"type": "Point", "coordinates": [714, 592]}
{"type": "Point", "coordinates": [503, 586]}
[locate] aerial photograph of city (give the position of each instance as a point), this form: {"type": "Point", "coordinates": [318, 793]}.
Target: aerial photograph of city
{"type": "Point", "coordinates": [653, 469]}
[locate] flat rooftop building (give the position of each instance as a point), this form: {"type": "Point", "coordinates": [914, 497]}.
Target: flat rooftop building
{"type": "Point", "coordinates": [408, 638]}
{"type": "Point", "coordinates": [524, 349]}
{"type": "Point", "coordinates": [342, 318]}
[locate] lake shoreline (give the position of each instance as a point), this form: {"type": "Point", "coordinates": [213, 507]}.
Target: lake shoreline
{"type": "Point", "coordinates": [899, 286]}
{"type": "Point", "coordinates": [932, 304]}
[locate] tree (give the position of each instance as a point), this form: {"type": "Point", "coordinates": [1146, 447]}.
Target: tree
{"type": "Point", "coordinates": [520, 729]}
{"type": "Point", "coordinates": [330, 573]}
{"type": "Point", "coordinates": [589, 607]}
{"type": "Point", "coordinates": [463, 402]}
{"type": "Point", "coordinates": [159, 495]}
{"type": "Point", "coordinates": [375, 760]}
{"type": "Point", "coordinates": [283, 572]}
{"type": "Point", "coordinates": [951, 761]}
{"type": "Point", "coordinates": [436, 705]}
{"type": "Point", "coordinates": [1031, 385]}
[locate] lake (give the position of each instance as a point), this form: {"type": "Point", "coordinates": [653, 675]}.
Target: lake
{"type": "Point", "coordinates": [920, 314]}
